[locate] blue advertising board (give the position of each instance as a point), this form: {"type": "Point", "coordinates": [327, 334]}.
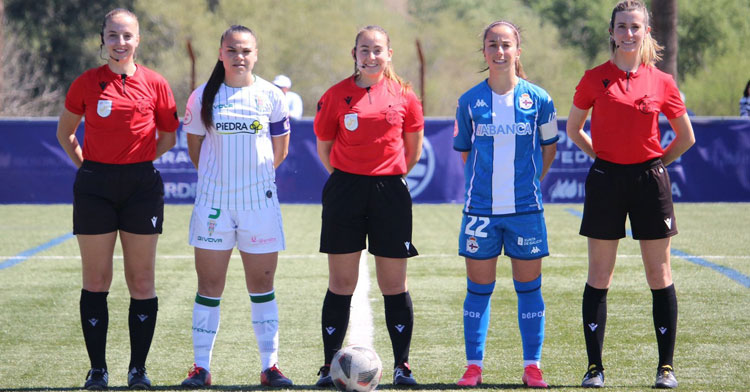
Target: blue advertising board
{"type": "Point", "coordinates": [35, 169]}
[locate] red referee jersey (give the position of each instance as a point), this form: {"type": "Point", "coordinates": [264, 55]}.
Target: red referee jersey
{"type": "Point", "coordinates": [625, 119]}
{"type": "Point", "coordinates": [122, 114]}
{"type": "Point", "coordinates": [367, 126]}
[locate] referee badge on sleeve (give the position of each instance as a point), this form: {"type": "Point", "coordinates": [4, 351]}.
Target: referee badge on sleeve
{"type": "Point", "coordinates": [104, 108]}
{"type": "Point", "coordinates": [350, 121]}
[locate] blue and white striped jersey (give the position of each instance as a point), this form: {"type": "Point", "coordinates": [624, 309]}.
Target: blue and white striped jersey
{"type": "Point", "coordinates": [235, 169]}
{"type": "Point", "coordinates": [503, 135]}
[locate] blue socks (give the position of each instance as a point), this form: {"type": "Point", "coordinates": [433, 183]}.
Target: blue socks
{"type": "Point", "coordinates": [530, 317]}
{"type": "Point", "coordinates": [476, 318]}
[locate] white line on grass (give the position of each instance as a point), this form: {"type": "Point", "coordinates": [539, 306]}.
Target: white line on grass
{"type": "Point", "coordinates": [360, 319]}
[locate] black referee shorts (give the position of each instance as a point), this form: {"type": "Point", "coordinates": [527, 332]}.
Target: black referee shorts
{"type": "Point", "coordinates": [641, 191]}
{"type": "Point", "coordinates": [108, 197]}
{"type": "Point", "coordinates": [376, 208]}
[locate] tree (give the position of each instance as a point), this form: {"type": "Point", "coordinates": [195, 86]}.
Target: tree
{"type": "Point", "coordinates": [25, 91]}
{"type": "Point", "coordinates": [57, 30]}
{"type": "Point", "coordinates": [664, 30]}
{"type": "Point", "coordinates": [581, 23]}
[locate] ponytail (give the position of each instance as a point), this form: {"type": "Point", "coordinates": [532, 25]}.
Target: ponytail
{"type": "Point", "coordinates": [209, 95]}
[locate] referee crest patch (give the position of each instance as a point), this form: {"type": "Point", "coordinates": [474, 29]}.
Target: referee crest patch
{"type": "Point", "coordinates": [351, 122]}
{"type": "Point", "coordinates": [104, 108]}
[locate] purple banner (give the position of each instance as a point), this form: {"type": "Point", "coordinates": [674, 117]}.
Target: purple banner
{"type": "Point", "coordinates": [35, 169]}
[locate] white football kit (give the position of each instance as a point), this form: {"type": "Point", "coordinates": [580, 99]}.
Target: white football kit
{"type": "Point", "coordinates": [235, 168]}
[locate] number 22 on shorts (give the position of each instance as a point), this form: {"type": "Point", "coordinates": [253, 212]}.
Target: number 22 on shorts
{"type": "Point", "coordinates": [478, 231]}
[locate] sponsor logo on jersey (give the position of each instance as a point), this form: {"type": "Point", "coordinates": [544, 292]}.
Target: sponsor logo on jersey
{"type": "Point", "coordinates": [480, 104]}
{"type": "Point", "coordinates": [535, 250]}
{"type": "Point", "coordinates": [220, 106]}
{"type": "Point", "coordinates": [472, 314]}
{"type": "Point", "coordinates": [104, 108]}
{"type": "Point", "coordinates": [211, 227]}
{"type": "Point", "coordinates": [400, 327]}
{"type": "Point", "coordinates": [262, 241]}
{"type": "Point", "coordinates": [350, 121]}
{"type": "Point", "coordinates": [528, 241]}
{"type": "Point", "coordinates": [228, 128]}
{"type": "Point", "coordinates": [471, 245]}
{"type": "Point", "coordinates": [668, 222]}
{"type": "Point", "coordinates": [348, 100]}
{"type": "Point", "coordinates": [663, 330]}
{"type": "Point", "coordinates": [520, 129]}
{"type": "Point", "coordinates": [593, 326]}
{"type": "Point", "coordinates": [525, 101]}
{"type": "Point", "coordinates": [209, 239]}
{"type": "Point", "coordinates": [605, 82]}
{"type": "Point", "coordinates": [103, 85]}
{"type": "Point", "coordinates": [455, 128]}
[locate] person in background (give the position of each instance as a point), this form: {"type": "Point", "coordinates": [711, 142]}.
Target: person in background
{"type": "Point", "coordinates": [369, 130]}
{"type": "Point", "coordinates": [117, 189]}
{"type": "Point", "coordinates": [506, 131]}
{"type": "Point", "coordinates": [629, 179]}
{"type": "Point", "coordinates": [238, 134]}
{"type": "Point", "coordinates": [293, 99]}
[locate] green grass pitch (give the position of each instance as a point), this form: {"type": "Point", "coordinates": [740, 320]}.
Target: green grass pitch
{"type": "Point", "coordinates": [41, 345]}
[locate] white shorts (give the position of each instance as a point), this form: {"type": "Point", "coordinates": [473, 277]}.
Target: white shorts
{"type": "Point", "coordinates": [253, 231]}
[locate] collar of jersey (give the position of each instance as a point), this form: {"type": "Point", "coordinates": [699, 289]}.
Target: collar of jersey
{"type": "Point", "coordinates": [113, 75]}
{"type": "Point", "coordinates": [375, 86]}
{"type": "Point", "coordinates": [622, 74]}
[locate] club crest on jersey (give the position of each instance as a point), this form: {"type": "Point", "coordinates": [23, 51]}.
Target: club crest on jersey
{"type": "Point", "coordinates": [351, 122]}
{"type": "Point", "coordinates": [471, 245]}
{"type": "Point", "coordinates": [524, 101]}
{"type": "Point", "coordinates": [392, 117]}
{"type": "Point", "coordinates": [188, 117]}
{"type": "Point", "coordinates": [104, 108]}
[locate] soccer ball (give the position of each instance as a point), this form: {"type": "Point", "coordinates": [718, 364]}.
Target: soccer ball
{"type": "Point", "coordinates": [356, 368]}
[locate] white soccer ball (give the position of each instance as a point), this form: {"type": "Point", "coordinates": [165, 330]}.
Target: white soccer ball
{"type": "Point", "coordinates": [356, 368]}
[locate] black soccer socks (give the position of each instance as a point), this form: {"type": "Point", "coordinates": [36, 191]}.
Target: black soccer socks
{"type": "Point", "coordinates": [142, 322]}
{"type": "Point", "coordinates": [94, 322]}
{"type": "Point", "coordinates": [399, 318]}
{"type": "Point", "coordinates": [335, 320]}
{"type": "Point", "coordinates": [665, 322]}
{"type": "Point", "coordinates": [594, 311]}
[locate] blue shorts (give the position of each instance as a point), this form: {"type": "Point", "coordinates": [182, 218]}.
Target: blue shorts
{"type": "Point", "coordinates": [523, 236]}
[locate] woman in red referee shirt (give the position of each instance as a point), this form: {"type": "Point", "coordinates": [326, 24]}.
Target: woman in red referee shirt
{"type": "Point", "coordinates": [369, 128]}
{"type": "Point", "coordinates": [629, 178]}
{"type": "Point", "coordinates": [117, 188]}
